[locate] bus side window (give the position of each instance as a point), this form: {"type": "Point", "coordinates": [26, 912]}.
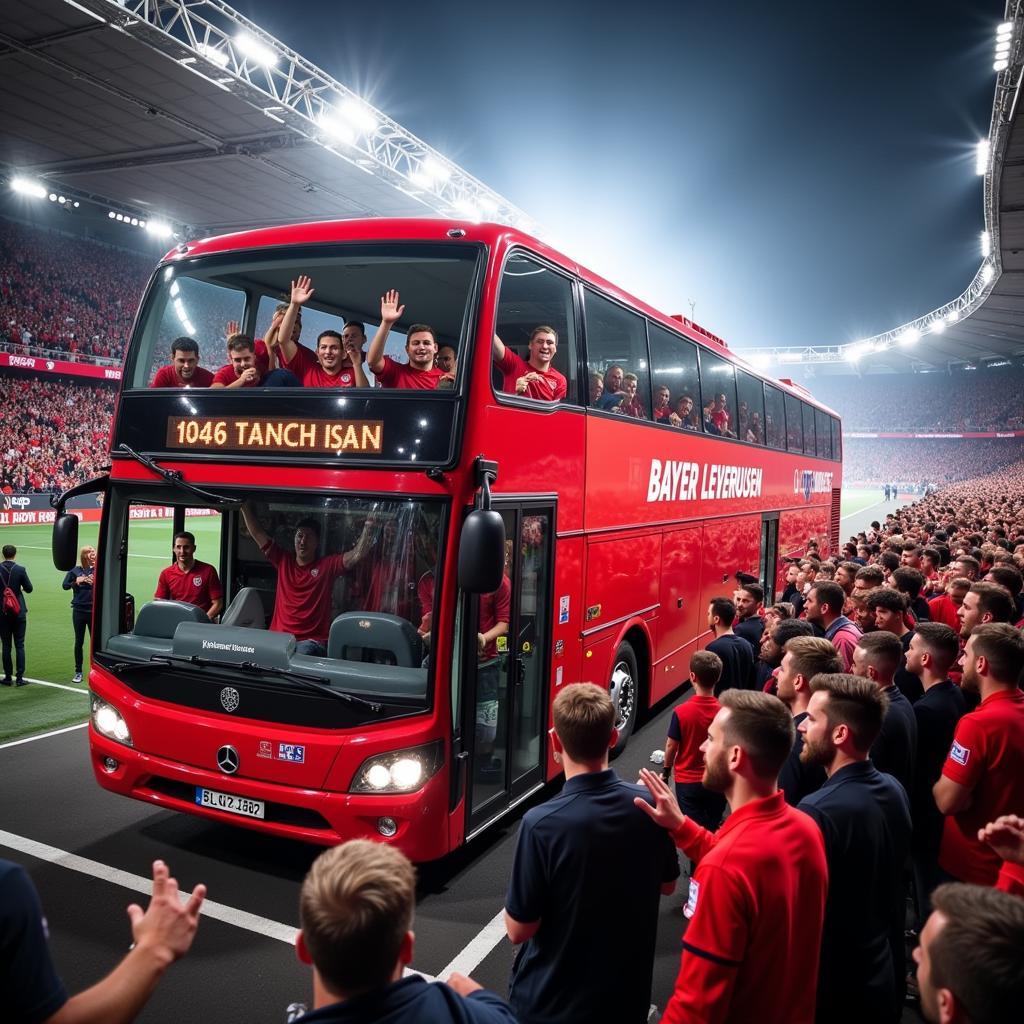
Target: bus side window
{"type": "Point", "coordinates": [774, 417]}
{"type": "Point", "coordinates": [750, 415]}
{"type": "Point", "coordinates": [809, 442]}
{"type": "Point", "coordinates": [718, 395]}
{"type": "Point", "coordinates": [617, 349]}
{"type": "Point", "coordinates": [794, 424]}
{"type": "Point", "coordinates": [674, 366]}
{"type": "Point", "coordinates": [532, 297]}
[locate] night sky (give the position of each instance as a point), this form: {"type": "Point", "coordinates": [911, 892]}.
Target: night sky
{"type": "Point", "coordinates": [803, 172]}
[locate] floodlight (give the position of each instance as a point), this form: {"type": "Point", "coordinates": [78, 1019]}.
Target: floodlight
{"type": "Point", "coordinates": [910, 336]}
{"type": "Point", "coordinates": [434, 169]}
{"type": "Point", "coordinates": [359, 115]}
{"type": "Point", "coordinates": [53, 197]}
{"type": "Point", "coordinates": [952, 316]}
{"type": "Point", "coordinates": [75, 204]}
{"type": "Point", "coordinates": [987, 273]}
{"type": "Point", "coordinates": [111, 214]}
{"type": "Point", "coordinates": [999, 65]}
{"type": "Point", "coordinates": [28, 188]}
{"type": "Point", "coordinates": [158, 229]}
{"type": "Point", "coordinates": [1006, 26]}
{"type": "Point", "coordinates": [61, 200]}
{"type": "Point", "coordinates": [215, 55]}
{"type": "Point", "coordinates": [986, 244]}
{"type": "Point", "coordinates": [335, 128]}
{"type": "Point", "coordinates": [1003, 47]}
{"type": "Point", "coordinates": [256, 51]}
{"type": "Point", "coordinates": [937, 326]}
{"type": "Point", "coordinates": [119, 216]}
{"type": "Point", "coordinates": [981, 156]}
{"type": "Point", "coordinates": [468, 209]}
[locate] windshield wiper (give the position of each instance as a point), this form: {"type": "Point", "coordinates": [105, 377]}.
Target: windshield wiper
{"type": "Point", "coordinates": [177, 479]}
{"type": "Point", "coordinates": [319, 683]}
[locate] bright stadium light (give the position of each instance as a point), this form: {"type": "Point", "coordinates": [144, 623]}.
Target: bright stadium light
{"type": "Point", "coordinates": [435, 170]}
{"type": "Point", "coordinates": [468, 209]}
{"type": "Point", "coordinates": [1000, 65]}
{"type": "Point", "coordinates": [910, 336]}
{"type": "Point", "coordinates": [986, 245]}
{"type": "Point", "coordinates": [26, 187]}
{"type": "Point", "coordinates": [987, 273]}
{"type": "Point", "coordinates": [359, 115]}
{"type": "Point", "coordinates": [111, 214]}
{"type": "Point", "coordinates": [938, 325]}
{"type": "Point", "coordinates": [952, 316]}
{"type": "Point", "coordinates": [158, 229]}
{"type": "Point", "coordinates": [981, 157]}
{"type": "Point", "coordinates": [337, 129]}
{"type": "Point", "coordinates": [1004, 29]}
{"type": "Point", "coordinates": [214, 55]}
{"type": "Point", "coordinates": [256, 51]}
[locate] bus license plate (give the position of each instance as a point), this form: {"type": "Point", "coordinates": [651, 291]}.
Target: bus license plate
{"type": "Point", "coordinates": [230, 803]}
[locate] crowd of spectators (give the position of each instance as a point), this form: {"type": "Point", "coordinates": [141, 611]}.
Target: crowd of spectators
{"type": "Point", "coordinates": [53, 434]}
{"type": "Point", "coordinates": [66, 296]}
{"type": "Point", "coordinates": [987, 398]}
{"type": "Point", "coordinates": [909, 461]}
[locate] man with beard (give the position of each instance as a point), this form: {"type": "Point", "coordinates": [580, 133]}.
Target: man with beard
{"type": "Point", "coordinates": [968, 962]}
{"type": "Point", "coordinates": [804, 658]}
{"type": "Point", "coordinates": [983, 776]}
{"type": "Point", "coordinates": [773, 642]}
{"type": "Point", "coordinates": [757, 899]}
{"type": "Point", "coordinates": [864, 817]}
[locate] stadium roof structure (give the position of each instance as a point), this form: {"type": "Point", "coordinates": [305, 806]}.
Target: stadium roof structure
{"type": "Point", "coordinates": [183, 112]}
{"type": "Point", "coordinates": [985, 323]}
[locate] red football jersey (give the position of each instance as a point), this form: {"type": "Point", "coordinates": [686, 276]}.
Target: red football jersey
{"type": "Point", "coordinates": [303, 603]}
{"type": "Point", "coordinates": [550, 388]}
{"type": "Point", "coordinates": [167, 377]}
{"type": "Point", "coordinates": [689, 727]}
{"type": "Point", "coordinates": [307, 368]}
{"type": "Point", "coordinates": [402, 375]}
{"type": "Point", "coordinates": [199, 585]}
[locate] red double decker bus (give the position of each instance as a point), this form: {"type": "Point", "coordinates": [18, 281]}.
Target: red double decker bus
{"type": "Point", "coordinates": [479, 548]}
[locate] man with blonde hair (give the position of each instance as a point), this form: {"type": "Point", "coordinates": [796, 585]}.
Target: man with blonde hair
{"type": "Point", "coordinates": [356, 912]}
{"type": "Point", "coordinates": [585, 851]}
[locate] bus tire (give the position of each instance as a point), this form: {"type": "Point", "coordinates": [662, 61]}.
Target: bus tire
{"type": "Point", "coordinates": [624, 689]}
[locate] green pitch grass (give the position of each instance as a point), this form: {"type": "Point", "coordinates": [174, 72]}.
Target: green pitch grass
{"type": "Point", "coordinates": [49, 640]}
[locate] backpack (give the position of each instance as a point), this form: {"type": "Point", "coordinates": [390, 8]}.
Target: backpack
{"type": "Point", "coordinates": [11, 604]}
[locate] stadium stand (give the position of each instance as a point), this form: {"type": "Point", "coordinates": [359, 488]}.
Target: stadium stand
{"type": "Point", "coordinates": [53, 434]}
{"type": "Point", "coordinates": [912, 462]}
{"type": "Point", "coordinates": [64, 297]}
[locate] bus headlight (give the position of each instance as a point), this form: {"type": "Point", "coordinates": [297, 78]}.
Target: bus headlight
{"type": "Point", "coordinates": [399, 771]}
{"type": "Point", "coordinates": [107, 721]}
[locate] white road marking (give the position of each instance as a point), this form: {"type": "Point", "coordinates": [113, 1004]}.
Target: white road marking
{"type": "Point", "coordinates": [860, 512]}
{"type": "Point", "coordinates": [137, 883]}
{"type": "Point", "coordinates": [218, 911]}
{"type": "Point", "coordinates": [43, 735]}
{"type": "Point", "coordinates": [477, 949]}
{"type": "Point", "coordinates": [57, 686]}
{"type": "Point", "coordinates": [134, 554]}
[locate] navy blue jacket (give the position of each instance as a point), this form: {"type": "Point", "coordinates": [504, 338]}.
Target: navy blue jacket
{"type": "Point", "coordinates": [737, 656]}
{"type": "Point", "coordinates": [864, 817]}
{"type": "Point", "coordinates": [895, 750]}
{"type": "Point", "coordinates": [413, 1001]}
{"type": "Point", "coordinates": [14, 576]}
{"type": "Point", "coordinates": [81, 596]}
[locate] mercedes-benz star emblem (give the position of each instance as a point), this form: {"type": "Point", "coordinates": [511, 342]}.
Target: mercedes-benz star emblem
{"type": "Point", "coordinates": [227, 760]}
{"type": "Point", "coordinates": [229, 699]}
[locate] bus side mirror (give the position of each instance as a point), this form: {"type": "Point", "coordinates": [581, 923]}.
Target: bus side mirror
{"type": "Point", "coordinates": [65, 541]}
{"type": "Point", "coordinates": [482, 552]}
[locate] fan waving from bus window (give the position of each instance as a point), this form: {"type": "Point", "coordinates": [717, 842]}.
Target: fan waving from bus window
{"type": "Point", "coordinates": [337, 362]}
{"type": "Point", "coordinates": [535, 378]}
{"type": "Point", "coordinates": [305, 578]}
{"type": "Point", "coordinates": [420, 346]}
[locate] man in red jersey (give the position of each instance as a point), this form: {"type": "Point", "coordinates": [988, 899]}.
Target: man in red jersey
{"type": "Point", "coordinates": [946, 607]}
{"type": "Point", "coordinates": [190, 581]}
{"type": "Point", "coordinates": [757, 899]}
{"type": "Point", "coordinates": [184, 370]}
{"type": "Point", "coordinates": [983, 776]}
{"type": "Point", "coordinates": [241, 369]}
{"type": "Point", "coordinates": [687, 731]}
{"type": "Point", "coordinates": [302, 603]}
{"type": "Point", "coordinates": [534, 377]}
{"type": "Point", "coordinates": [338, 362]}
{"type": "Point", "coordinates": [420, 346]}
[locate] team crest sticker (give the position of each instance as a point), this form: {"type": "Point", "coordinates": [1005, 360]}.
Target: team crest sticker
{"type": "Point", "coordinates": [314, 572]}
{"type": "Point", "coordinates": [197, 581]}
{"type": "Point", "coordinates": [691, 900]}
{"type": "Point", "coordinates": [959, 754]}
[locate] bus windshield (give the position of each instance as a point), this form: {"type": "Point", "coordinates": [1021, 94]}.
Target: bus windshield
{"type": "Point", "coordinates": [212, 299]}
{"type": "Point", "coordinates": [336, 589]}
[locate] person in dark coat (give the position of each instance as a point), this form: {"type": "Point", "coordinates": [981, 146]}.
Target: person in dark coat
{"type": "Point", "coordinates": [13, 627]}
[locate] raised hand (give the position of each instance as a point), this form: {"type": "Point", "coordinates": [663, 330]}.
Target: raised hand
{"type": "Point", "coordinates": [1005, 836]}
{"type": "Point", "coordinates": [302, 290]}
{"type": "Point", "coordinates": [168, 925]}
{"type": "Point", "coordinates": [666, 811]}
{"type": "Point", "coordinates": [390, 310]}
{"type": "Point", "coordinates": [234, 327]}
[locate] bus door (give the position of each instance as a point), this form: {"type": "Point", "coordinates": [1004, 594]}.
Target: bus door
{"type": "Point", "coordinates": [769, 567]}
{"type": "Point", "coordinates": [505, 645]}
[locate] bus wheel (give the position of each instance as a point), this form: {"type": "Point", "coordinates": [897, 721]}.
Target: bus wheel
{"type": "Point", "coordinates": [624, 691]}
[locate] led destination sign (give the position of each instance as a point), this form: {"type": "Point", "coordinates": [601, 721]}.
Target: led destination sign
{"type": "Point", "coordinates": [262, 433]}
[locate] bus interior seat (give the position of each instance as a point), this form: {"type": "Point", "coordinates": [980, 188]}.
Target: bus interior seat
{"type": "Point", "coordinates": [246, 609]}
{"type": "Point", "coordinates": [159, 619]}
{"type": "Point", "coordinates": [375, 631]}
